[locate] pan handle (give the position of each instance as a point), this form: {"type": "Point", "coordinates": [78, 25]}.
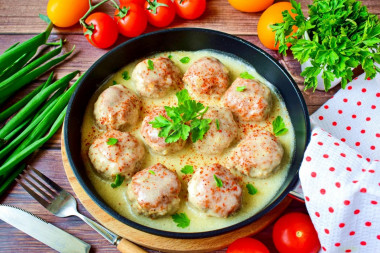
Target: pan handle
{"type": "Point", "coordinates": [297, 192]}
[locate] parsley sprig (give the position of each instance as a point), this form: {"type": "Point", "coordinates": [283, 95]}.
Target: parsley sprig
{"type": "Point", "coordinates": [184, 119]}
{"type": "Point", "coordinates": [342, 35]}
{"type": "Point", "coordinates": [279, 127]}
{"type": "Point", "coordinates": [181, 220]}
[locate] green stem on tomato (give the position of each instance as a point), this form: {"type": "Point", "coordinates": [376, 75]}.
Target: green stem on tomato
{"type": "Point", "coordinates": [92, 7]}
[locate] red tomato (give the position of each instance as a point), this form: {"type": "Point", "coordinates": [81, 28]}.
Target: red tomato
{"type": "Point", "coordinates": [138, 2]}
{"type": "Point", "coordinates": [132, 20]}
{"type": "Point", "coordinates": [294, 232]}
{"type": "Point", "coordinates": [160, 12]}
{"type": "Point", "coordinates": [105, 30]}
{"type": "Point", "coordinates": [190, 9]}
{"type": "Point", "coordinates": [247, 245]}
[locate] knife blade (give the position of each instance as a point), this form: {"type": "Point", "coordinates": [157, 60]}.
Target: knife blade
{"type": "Point", "coordinates": [41, 230]}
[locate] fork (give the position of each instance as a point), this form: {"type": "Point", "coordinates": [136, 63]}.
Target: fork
{"type": "Point", "coordinates": [62, 204]}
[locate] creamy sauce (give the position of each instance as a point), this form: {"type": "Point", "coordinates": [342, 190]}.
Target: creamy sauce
{"type": "Point", "coordinates": [267, 188]}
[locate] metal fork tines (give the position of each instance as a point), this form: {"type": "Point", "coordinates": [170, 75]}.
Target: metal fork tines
{"type": "Point", "coordinates": [57, 200]}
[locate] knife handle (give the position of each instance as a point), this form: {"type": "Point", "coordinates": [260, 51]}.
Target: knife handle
{"type": "Point", "coordinates": [125, 246]}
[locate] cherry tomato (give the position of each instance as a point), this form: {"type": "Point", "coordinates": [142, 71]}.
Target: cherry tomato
{"type": "Point", "coordinates": [66, 13]}
{"type": "Point", "coordinates": [251, 5]}
{"type": "Point", "coordinates": [160, 12]}
{"type": "Point", "coordinates": [190, 9]}
{"type": "Point", "coordinates": [132, 20]}
{"type": "Point", "coordinates": [247, 245]}
{"type": "Point", "coordinates": [138, 2]}
{"type": "Point", "coordinates": [105, 30]}
{"type": "Point", "coordinates": [271, 16]}
{"type": "Point", "coordinates": [294, 232]}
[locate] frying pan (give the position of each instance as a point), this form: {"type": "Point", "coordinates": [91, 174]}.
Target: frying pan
{"type": "Point", "coordinates": [187, 39]}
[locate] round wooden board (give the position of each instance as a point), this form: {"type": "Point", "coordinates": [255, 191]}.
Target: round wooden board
{"type": "Point", "coordinates": [164, 243]}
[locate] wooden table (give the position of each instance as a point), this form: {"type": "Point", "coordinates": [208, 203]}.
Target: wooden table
{"type": "Point", "coordinates": [19, 21]}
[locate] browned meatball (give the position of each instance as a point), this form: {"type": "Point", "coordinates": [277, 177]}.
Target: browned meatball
{"type": "Point", "coordinates": [251, 104]}
{"type": "Point", "coordinates": [154, 191]}
{"type": "Point", "coordinates": [257, 155]}
{"type": "Point", "coordinates": [207, 76]}
{"type": "Point", "coordinates": [124, 157]}
{"type": "Point", "coordinates": [158, 81]}
{"type": "Point", "coordinates": [117, 108]}
{"type": "Point", "coordinates": [151, 138]}
{"type": "Point", "coordinates": [205, 195]}
{"type": "Point", "coordinates": [223, 130]}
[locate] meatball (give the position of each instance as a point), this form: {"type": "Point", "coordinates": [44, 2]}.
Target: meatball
{"type": "Point", "coordinates": [110, 157]}
{"type": "Point", "coordinates": [117, 108]}
{"type": "Point", "coordinates": [154, 191]}
{"type": "Point", "coordinates": [257, 155]}
{"type": "Point", "coordinates": [207, 76]}
{"type": "Point", "coordinates": [223, 130]}
{"type": "Point", "coordinates": [251, 104]}
{"type": "Point", "coordinates": [205, 195]}
{"type": "Point", "coordinates": [151, 138]}
{"type": "Point", "coordinates": [158, 80]}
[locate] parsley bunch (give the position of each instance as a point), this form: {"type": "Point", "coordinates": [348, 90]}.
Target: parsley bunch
{"type": "Point", "coordinates": [185, 118]}
{"type": "Point", "coordinates": [342, 35]}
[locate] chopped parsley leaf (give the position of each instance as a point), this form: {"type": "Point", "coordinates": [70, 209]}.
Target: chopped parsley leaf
{"type": "Point", "coordinates": [187, 169]}
{"type": "Point", "coordinates": [150, 64]}
{"type": "Point", "coordinates": [251, 189]}
{"type": "Point", "coordinates": [240, 88]}
{"type": "Point", "coordinates": [185, 60]}
{"type": "Point", "coordinates": [181, 220]}
{"type": "Point", "coordinates": [246, 75]}
{"type": "Point", "coordinates": [279, 127]}
{"type": "Point", "coordinates": [112, 141]}
{"type": "Point", "coordinates": [118, 181]}
{"type": "Point", "coordinates": [218, 181]}
{"type": "Point", "coordinates": [125, 75]}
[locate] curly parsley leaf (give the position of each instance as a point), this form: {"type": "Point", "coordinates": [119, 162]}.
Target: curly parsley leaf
{"type": "Point", "coordinates": [337, 37]}
{"type": "Point", "coordinates": [181, 220]}
{"type": "Point", "coordinates": [184, 119]}
{"type": "Point", "coordinates": [279, 127]}
{"type": "Point", "coordinates": [125, 75]}
{"type": "Point", "coordinates": [118, 181]}
{"type": "Point", "coordinates": [112, 141]}
{"type": "Point", "coordinates": [218, 181]}
{"type": "Point", "coordinates": [150, 64]}
{"type": "Point", "coordinates": [251, 189]}
{"type": "Point", "coordinates": [246, 75]}
{"type": "Point", "coordinates": [185, 60]}
{"type": "Point", "coordinates": [187, 169]}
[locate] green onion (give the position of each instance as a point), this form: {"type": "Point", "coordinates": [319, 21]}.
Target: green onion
{"type": "Point", "coordinates": [16, 158]}
{"type": "Point", "coordinates": [16, 66]}
{"type": "Point", "coordinates": [7, 88]}
{"type": "Point", "coordinates": [10, 56]}
{"type": "Point", "coordinates": [34, 103]}
{"type": "Point", "coordinates": [9, 179]}
{"type": "Point", "coordinates": [17, 106]}
{"type": "Point", "coordinates": [11, 47]}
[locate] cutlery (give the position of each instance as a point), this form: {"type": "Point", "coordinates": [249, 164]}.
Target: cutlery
{"type": "Point", "coordinates": [62, 204]}
{"type": "Point", "coordinates": [41, 230]}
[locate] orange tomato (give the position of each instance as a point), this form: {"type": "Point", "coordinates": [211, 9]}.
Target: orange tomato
{"type": "Point", "coordinates": [251, 5]}
{"type": "Point", "coordinates": [271, 16]}
{"type": "Point", "coordinates": [66, 13]}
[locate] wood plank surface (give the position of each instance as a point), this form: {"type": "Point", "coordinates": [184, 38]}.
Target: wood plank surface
{"type": "Point", "coordinates": [19, 21]}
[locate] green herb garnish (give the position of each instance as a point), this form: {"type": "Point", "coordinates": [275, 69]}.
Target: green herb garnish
{"type": "Point", "coordinates": [336, 37]}
{"type": "Point", "coordinates": [152, 172]}
{"type": "Point", "coordinates": [150, 64]}
{"type": "Point", "coordinates": [187, 111]}
{"type": "Point", "coordinates": [118, 181]}
{"type": "Point", "coordinates": [112, 141]}
{"type": "Point", "coordinates": [246, 75]}
{"type": "Point", "coordinates": [279, 127]}
{"type": "Point", "coordinates": [240, 88]}
{"type": "Point", "coordinates": [217, 124]}
{"type": "Point", "coordinates": [187, 169]}
{"type": "Point", "coordinates": [218, 181]}
{"type": "Point", "coordinates": [251, 189]}
{"type": "Point", "coordinates": [170, 56]}
{"type": "Point", "coordinates": [181, 220]}
{"type": "Point", "coordinates": [185, 60]}
{"type": "Point", "coordinates": [114, 82]}
{"type": "Point", "coordinates": [125, 75]}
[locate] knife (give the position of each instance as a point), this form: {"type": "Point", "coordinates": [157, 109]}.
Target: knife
{"type": "Point", "coordinates": [41, 230]}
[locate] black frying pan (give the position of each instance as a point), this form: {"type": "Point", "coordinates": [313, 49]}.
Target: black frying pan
{"type": "Point", "coordinates": [189, 39]}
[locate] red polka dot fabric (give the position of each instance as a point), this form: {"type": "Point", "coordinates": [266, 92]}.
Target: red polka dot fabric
{"type": "Point", "coordinates": [340, 174]}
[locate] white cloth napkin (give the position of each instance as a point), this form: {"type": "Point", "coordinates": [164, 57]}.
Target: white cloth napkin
{"type": "Point", "coordinates": [340, 174]}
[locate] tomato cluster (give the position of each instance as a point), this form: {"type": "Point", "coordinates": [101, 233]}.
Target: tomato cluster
{"type": "Point", "coordinates": [130, 18]}
{"type": "Point", "coordinates": [293, 232]}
